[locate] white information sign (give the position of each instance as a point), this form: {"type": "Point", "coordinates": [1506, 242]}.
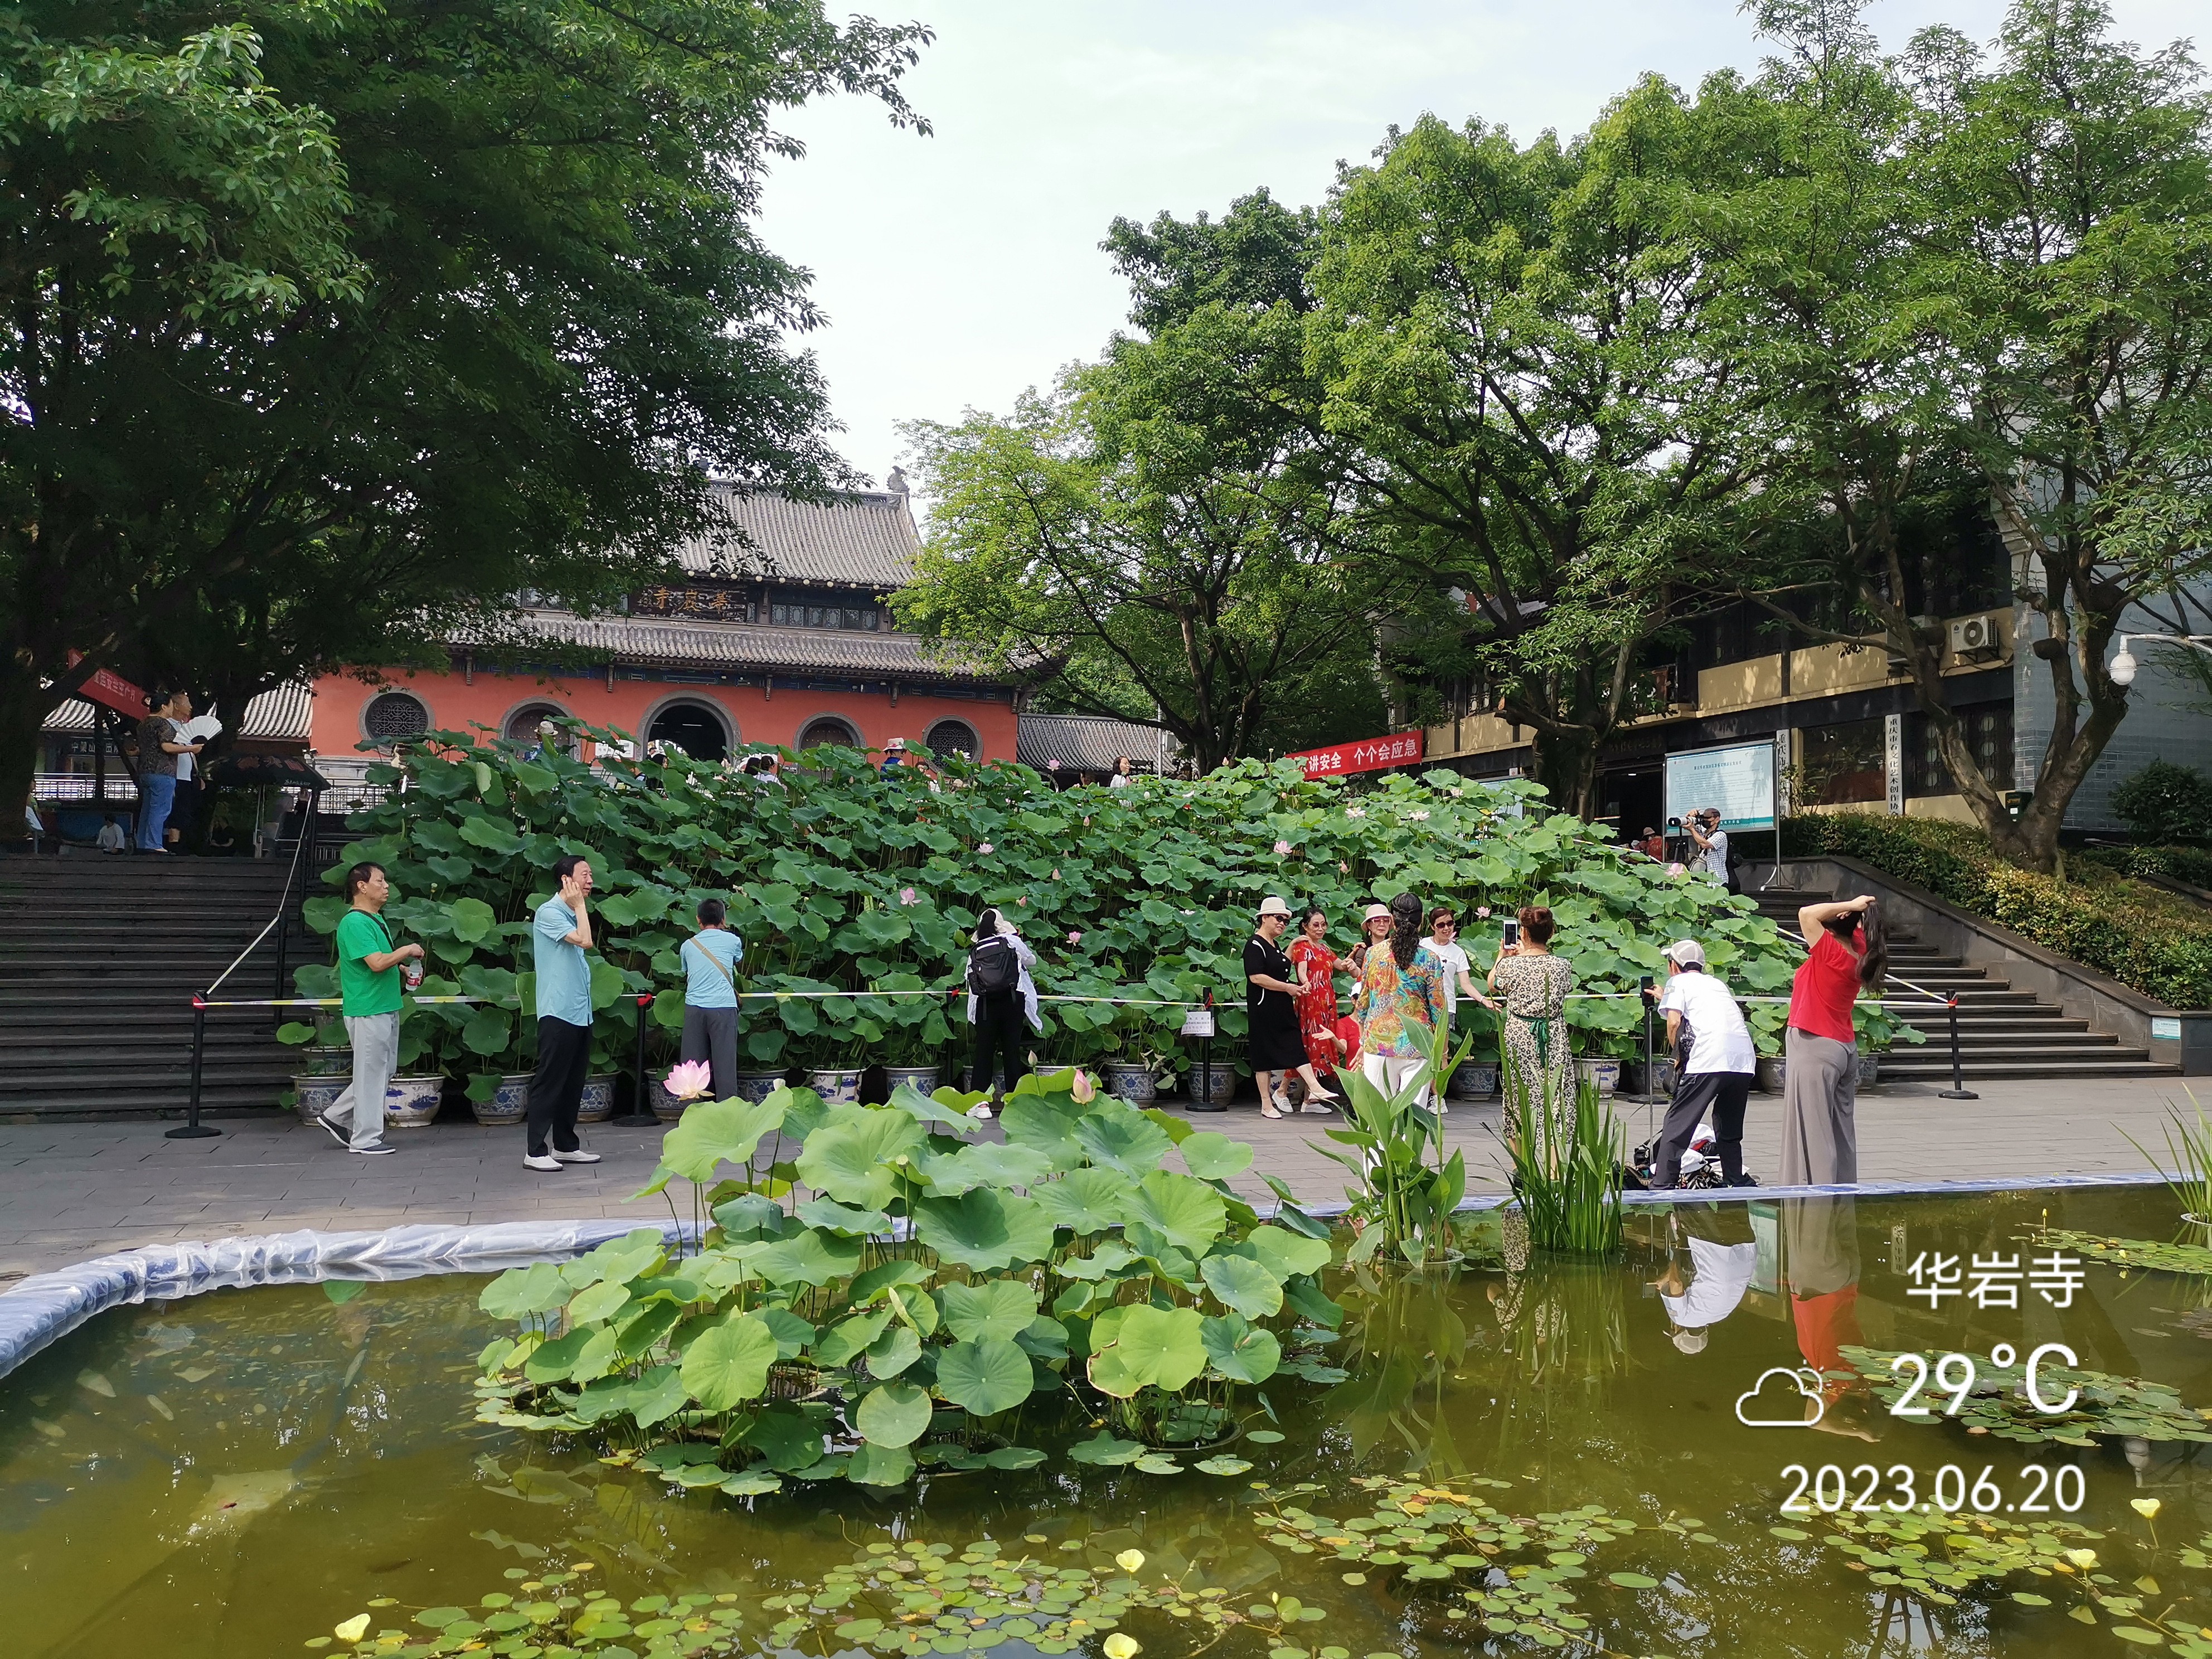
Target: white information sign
{"type": "Point", "coordinates": [1739, 780]}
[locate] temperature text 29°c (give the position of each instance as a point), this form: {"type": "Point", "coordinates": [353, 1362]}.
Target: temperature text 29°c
{"type": "Point", "coordinates": [1954, 1374]}
{"type": "Point", "coordinates": [1829, 1488]}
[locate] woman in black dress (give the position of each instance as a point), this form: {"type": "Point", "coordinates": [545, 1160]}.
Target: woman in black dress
{"type": "Point", "coordinates": [1271, 989]}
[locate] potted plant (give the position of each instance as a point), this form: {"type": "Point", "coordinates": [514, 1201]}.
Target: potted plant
{"type": "Point", "coordinates": [1475, 1077]}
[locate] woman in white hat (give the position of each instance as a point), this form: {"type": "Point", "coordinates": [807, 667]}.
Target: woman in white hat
{"type": "Point", "coordinates": [1271, 1011]}
{"type": "Point", "coordinates": [1374, 928]}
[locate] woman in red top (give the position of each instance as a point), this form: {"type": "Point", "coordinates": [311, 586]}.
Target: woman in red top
{"type": "Point", "coordinates": [1821, 1078]}
{"type": "Point", "coordinates": [1318, 967]}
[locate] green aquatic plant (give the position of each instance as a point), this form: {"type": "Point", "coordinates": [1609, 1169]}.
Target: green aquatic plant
{"type": "Point", "coordinates": [2189, 1146]}
{"type": "Point", "coordinates": [1407, 1187]}
{"type": "Point", "coordinates": [1567, 1167]}
{"type": "Point", "coordinates": [937, 1299]}
{"type": "Point", "coordinates": [2147, 1254]}
{"type": "Point", "coordinates": [1998, 1402]}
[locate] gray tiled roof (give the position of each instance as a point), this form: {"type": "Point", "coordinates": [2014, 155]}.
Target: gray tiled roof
{"type": "Point", "coordinates": [737, 645]}
{"type": "Point", "coordinates": [282, 713]}
{"type": "Point", "coordinates": [864, 540]}
{"type": "Point", "coordinates": [1086, 743]}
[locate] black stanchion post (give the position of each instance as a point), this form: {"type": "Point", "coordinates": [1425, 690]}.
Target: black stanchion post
{"type": "Point", "coordinates": [1958, 1091]}
{"type": "Point", "coordinates": [193, 1128]}
{"type": "Point", "coordinates": [640, 1115]}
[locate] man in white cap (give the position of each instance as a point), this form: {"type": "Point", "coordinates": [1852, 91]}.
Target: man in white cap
{"type": "Point", "coordinates": [1713, 1065]}
{"type": "Point", "coordinates": [894, 756]}
{"type": "Point", "coordinates": [1719, 1272]}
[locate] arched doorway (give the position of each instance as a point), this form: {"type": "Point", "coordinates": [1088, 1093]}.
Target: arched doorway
{"type": "Point", "coordinates": [949, 738]}
{"type": "Point", "coordinates": [697, 728]}
{"type": "Point", "coordinates": [522, 721]}
{"type": "Point", "coordinates": [828, 729]}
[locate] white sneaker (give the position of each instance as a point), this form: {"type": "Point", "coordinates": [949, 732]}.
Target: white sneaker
{"type": "Point", "coordinates": [979, 1110]}
{"type": "Point", "coordinates": [1320, 1108]}
{"type": "Point", "coordinates": [579, 1156]}
{"type": "Point", "coordinates": [549, 1165]}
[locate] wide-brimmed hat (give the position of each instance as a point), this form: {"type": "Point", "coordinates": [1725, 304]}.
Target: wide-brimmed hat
{"type": "Point", "coordinates": [1686, 953]}
{"type": "Point", "coordinates": [1376, 912]}
{"type": "Point", "coordinates": [1273, 906]}
{"type": "Point", "coordinates": [889, 743]}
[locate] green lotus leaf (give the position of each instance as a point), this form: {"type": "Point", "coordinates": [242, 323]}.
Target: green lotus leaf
{"type": "Point", "coordinates": [1086, 1200]}
{"type": "Point", "coordinates": [924, 1109]}
{"type": "Point", "coordinates": [846, 1340]}
{"type": "Point", "coordinates": [983, 1230]}
{"type": "Point", "coordinates": [472, 919]}
{"type": "Point", "coordinates": [1031, 1121]}
{"type": "Point", "coordinates": [489, 1031]}
{"type": "Point", "coordinates": [1240, 1351]}
{"type": "Point", "coordinates": [750, 1216]}
{"type": "Point", "coordinates": [877, 1465]}
{"type": "Point", "coordinates": [1223, 1466]}
{"type": "Point", "coordinates": [1137, 1346]}
{"type": "Point", "coordinates": [490, 834]}
{"type": "Point", "coordinates": [880, 1278]}
{"type": "Point", "coordinates": [850, 1156]}
{"type": "Point", "coordinates": [893, 1415]}
{"type": "Point", "coordinates": [1157, 1463]}
{"type": "Point", "coordinates": [789, 1436]}
{"type": "Point", "coordinates": [521, 1291]}
{"type": "Point", "coordinates": [657, 1396]}
{"type": "Point", "coordinates": [602, 1300]}
{"type": "Point", "coordinates": [792, 1333]}
{"type": "Point", "coordinates": [1013, 1457]}
{"type": "Point", "coordinates": [1213, 1156]}
{"type": "Point", "coordinates": [751, 1483]}
{"type": "Point", "coordinates": [813, 1257]}
{"type": "Point", "coordinates": [985, 1376]}
{"type": "Point", "coordinates": [1242, 1283]}
{"type": "Point", "coordinates": [619, 1259]}
{"type": "Point", "coordinates": [829, 1214]}
{"type": "Point", "coordinates": [551, 1362]}
{"type": "Point", "coordinates": [727, 1364]}
{"type": "Point", "coordinates": [1104, 1448]}
{"type": "Point", "coordinates": [718, 1131]}
{"type": "Point", "coordinates": [1187, 1212]}
{"type": "Point", "coordinates": [1044, 1338]}
{"type": "Point", "coordinates": [1122, 1140]}
{"type": "Point", "coordinates": [1287, 1253]}
{"type": "Point", "coordinates": [985, 1164]}
{"type": "Point", "coordinates": [1111, 1257]}
{"type": "Point", "coordinates": [998, 1307]}
{"type": "Point", "coordinates": [893, 1352]}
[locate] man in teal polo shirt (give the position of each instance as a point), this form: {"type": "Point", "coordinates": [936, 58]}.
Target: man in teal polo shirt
{"type": "Point", "coordinates": [368, 997]}
{"type": "Point", "coordinates": [559, 933]}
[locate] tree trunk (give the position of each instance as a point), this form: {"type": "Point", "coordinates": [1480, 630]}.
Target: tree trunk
{"type": "Point", "coordinates": [23, 705]}
{"type": "Point", "coordinates": [1566, 763]}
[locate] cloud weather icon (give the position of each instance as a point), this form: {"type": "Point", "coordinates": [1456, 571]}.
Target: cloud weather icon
{"type": "Point", "coordinates": [1754, 1411]}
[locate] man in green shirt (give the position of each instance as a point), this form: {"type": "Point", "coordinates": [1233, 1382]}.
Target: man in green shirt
{"type": "Point", "coordinates": [369, 991]}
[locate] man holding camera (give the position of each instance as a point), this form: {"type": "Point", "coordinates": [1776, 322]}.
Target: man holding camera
{"type": "Point", "coordinates": [1711, 843]}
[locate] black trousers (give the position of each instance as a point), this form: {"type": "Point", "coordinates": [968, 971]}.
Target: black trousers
{"type": "Point", "coordinates": [557, 1087]}
{"type": "Point", "coordinates": [1721, 1094]}
{"type": "Point", "coordinates": [998, 1029]}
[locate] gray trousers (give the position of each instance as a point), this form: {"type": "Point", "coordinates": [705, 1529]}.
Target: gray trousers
{"type": "Point", "coordinates": [1820, 1097]}
{"type": "Point", "coordinates": [711, 1034]}
{"type": "Point", "coordinates": [375, 1039]}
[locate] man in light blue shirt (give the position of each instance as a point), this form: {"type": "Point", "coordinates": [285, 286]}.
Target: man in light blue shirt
{"type": "Point", "coordinates": [710, 996]}
{"type": "Point", "coordinates": [559, 933]}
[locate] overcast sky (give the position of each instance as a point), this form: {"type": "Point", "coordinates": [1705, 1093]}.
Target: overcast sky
{"type": "Point", "coordinates": [960, 268]}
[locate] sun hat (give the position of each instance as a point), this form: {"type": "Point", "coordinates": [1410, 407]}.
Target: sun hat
{"type": "Point", "coordinates": [1690, 1342]}
{"type": "Point", "coordinates": [1273, 906]}
{"type": "Point", "coordinates": [1376, 912]}
{"type": "Point", "coordinates": [1686, 953]}
{"type": "Point", "coordinates": [890, 744]}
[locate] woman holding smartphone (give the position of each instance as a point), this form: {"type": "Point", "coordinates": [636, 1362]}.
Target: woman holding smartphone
{"type": "Point", "coordinates": [1533, 984]}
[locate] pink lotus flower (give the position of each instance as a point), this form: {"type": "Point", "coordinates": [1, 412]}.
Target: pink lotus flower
{"type": "Point", "coordinates": [1420, 816]}
{"type": "Point", "coordinates": [1055, 875]}
{"type": "Point", "coordinates": [1052, 766]}
{"type": "Point", "coordinates": [1483, 911]}
{"type": "Point", "coordinates": [689, 1079]}
{"type": "Point", "coordinates": [985, 849]}
{"type": "Point", "coordinates": [1282, 849]}
{"type": "Point", "coordinates": [906, 896]}
{"type": "Point", "coordinates": [1075, 939]}
{"type": "Point", "coordinates": [1022, 901]}
{"type": "Point", "coordinates": [1355, 812]}
{"type": "Point", "coordinates": [1083, 1088]}
{"type": "Point", "coordinates": [1343, 868]}
{"type": "Point", "coordinates": [1674, 869]}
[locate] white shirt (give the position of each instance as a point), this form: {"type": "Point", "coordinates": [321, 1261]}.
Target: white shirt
{"type": "Point", "coordinates": [1117, 780]}
{"type": "Point", "coordinates": [1455, 963]}
{"type": "Point", "coordinates": [1715, 858]}
{"type": "Point", "coordinates": [1721, 1041]}
{"type": "Point", "coordinates": [1723, 1274]}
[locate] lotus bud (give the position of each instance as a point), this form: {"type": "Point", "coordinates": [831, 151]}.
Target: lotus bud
{"type": "Point", "coordinates": [2146, 1507]}
{"type": "Point", "coordinates": [1129, 1561]}
{"type": "Point", "coordinates": [1084, 1089]}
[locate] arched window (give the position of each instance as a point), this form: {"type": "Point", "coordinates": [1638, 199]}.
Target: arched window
{"type": "Point", "coordinates": [694, 728]}
{"type": "Point", "coordinates": [827, 729]}
{"type": "Point", "coordinates": [950, 737]}
{"type": "Point", "coordinates": [394, 717]}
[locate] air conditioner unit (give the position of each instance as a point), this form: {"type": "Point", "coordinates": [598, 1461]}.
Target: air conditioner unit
{"type": "Point", "coordinates": [1975, 638]}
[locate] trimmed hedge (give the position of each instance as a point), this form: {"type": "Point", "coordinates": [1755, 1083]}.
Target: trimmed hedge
{"type": "Point", "coordinates": [2157, 942]}
{"type": "Point", "coordinates": [2190, 864]}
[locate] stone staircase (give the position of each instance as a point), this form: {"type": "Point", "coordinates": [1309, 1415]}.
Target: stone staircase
{"type": "Point", "coordinates": [2003, 1032]}
{"type": "Point", "coordinates": [100, 956]}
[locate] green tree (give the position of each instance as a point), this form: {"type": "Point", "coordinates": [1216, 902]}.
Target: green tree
{"type": "Point", "coordinates": [1516, 348]}
{"type": "Point", "coordinates": [2001, 261]}
{"type": "Point", "coordinates": [329, 326]}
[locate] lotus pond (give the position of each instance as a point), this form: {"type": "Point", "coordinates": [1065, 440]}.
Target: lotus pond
{"type": "Point", "coordinates": [1519, 1456]}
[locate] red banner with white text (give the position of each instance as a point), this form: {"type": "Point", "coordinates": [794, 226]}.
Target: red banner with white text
{"type": "Point", "coordinates": [1368, 754]}
{"type": "Point", "coordinates": [110, 688]}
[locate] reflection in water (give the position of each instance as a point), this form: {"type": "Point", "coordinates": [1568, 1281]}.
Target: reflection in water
{"type": "Point", "coordinates": [234, 1474]}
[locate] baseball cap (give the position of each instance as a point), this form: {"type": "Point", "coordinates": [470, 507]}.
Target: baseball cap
{"type": "Point", "coordinates": [1686, 953]}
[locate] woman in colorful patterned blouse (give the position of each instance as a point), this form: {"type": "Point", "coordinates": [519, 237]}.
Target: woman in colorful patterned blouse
{"type": "Point", "coordinates": [1401, 1001]}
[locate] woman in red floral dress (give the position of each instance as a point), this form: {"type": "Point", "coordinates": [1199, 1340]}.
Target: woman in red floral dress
{"type": "Point", "coordinates": [1317, 967]}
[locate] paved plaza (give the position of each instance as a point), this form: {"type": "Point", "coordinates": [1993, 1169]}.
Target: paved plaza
{"type": "Point", "coordinates": [69, 1191]}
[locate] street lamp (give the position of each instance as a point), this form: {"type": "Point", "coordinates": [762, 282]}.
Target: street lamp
{"type": "Point", "coordinates": [2124, 665]}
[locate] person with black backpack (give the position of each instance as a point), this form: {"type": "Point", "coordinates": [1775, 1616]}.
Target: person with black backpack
{"type": "Point", "coordinates": [999, 997]}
